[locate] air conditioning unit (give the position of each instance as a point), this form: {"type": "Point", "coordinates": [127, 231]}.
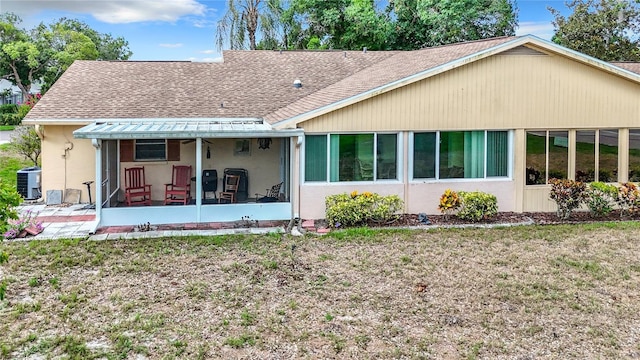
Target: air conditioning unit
{"type": "Point", "coordinates": [29, 183]}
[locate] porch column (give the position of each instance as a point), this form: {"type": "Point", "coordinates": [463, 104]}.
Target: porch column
{"type": "Point", "coordinates": [97, 143]}
{"type": "Point", "coordinates": [198, 179]}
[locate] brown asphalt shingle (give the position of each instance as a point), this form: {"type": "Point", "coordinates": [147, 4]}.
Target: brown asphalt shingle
{"type": "Point", "coordinates": [631, 66]}
{"type": "Point", "coordinates": [247, 84]}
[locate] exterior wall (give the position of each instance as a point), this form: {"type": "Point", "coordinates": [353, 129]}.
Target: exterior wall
{"type": "Point", "coordinates": [312, 196]}
{"type": "Point", "coordinates": [499, 92]}
{"type": "Point", "coordinates": [67, 169]}
{"type": "Point", "coordinates": [262, 165]}
{"type": "Point", "coordinates": [504, 92]}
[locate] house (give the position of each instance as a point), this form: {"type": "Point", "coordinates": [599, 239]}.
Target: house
{"type": "Point", "coordinates": [11, 94]}
{"type": "Point", "coordinates": [500, 115]}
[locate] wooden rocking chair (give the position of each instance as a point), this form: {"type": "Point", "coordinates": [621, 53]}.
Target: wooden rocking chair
{"type": "Point", "coordinates": [179, 191]}
{"type": "Point", "coordinates": [136, 191]}
{"type": "Point", "coordinates": [231, 184]}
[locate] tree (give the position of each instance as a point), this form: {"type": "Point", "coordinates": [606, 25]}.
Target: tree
{"type": "Point", "coordinates": [245, 20]}
{"type": "Point", "coordinates": [339, 24]}
{"type": "Point", "coordinates": [25, 141]}
{"type": "Point", "coordinates": [604, 29]}
{"type": "Point", "coordinates": [424, 23]}
{"type": "Point", "coordinates": [22, 57]}
{"type": "Point", "coordinates": [45, 52]}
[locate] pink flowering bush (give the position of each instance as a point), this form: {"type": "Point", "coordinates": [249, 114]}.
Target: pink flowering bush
{"type": "Point", "coordinates": [16, 226]}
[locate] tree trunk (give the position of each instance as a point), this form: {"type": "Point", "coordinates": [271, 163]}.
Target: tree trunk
{"type": "Point", "coordinates": [23, 88]}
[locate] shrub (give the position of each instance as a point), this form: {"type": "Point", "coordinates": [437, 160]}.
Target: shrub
{"type": "Point", "coordinates": [601, 198]}
{"type": "Point", "coordinates": [477, 205]}
{"type": "Point", "coordinates": [8, 108]}
{"type": "Point", "coordinates": [449, 202]}
{"type": "Point", "coordinates": [9, 199]}
{"type": "Point", "coordinates": [358, 209]}
{"type": "Point", "coordinates": [628, 198]}
{"type": "Point", "coordinates": [568, 195]}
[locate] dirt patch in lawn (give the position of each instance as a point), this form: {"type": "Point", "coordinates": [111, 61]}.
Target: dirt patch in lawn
{"type": "Point", "coordinates": [566, 291]}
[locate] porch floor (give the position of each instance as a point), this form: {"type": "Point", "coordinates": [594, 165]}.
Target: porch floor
{"type": "Point", "coordinates": [77, 222]}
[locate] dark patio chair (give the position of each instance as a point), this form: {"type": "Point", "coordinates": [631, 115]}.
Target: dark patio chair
{"type": "Point", "coordinates": [272, 194]}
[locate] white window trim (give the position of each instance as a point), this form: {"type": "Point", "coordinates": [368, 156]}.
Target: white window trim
{"type": "Point", "coordinates": [437, 179]}
{"type": "Point", "coordinates": [327, 181]}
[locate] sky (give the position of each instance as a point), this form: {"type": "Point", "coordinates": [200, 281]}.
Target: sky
{"type": "Point", "coordinates": [184, 29]}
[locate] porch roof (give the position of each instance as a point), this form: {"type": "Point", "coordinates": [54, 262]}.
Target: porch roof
{"type": "Point", "coordinates": [181, 129]}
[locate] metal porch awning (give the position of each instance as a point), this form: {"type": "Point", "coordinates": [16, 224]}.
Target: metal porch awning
{"type": "Point", "coordinates": [181, 129]}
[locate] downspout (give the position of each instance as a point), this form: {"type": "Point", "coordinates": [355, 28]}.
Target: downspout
{"type": "Point", "coordinates": [39, 131]}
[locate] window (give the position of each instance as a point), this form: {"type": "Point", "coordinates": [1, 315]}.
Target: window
{"type": "Point", "coordinates": [424, 155]}
{"type": "Point", "coordinates": [315, 166]}
{"type": "Point", "coordinates": [585, 155]}
{"type": "Point", "coordinates": [461, 154]}
{"type": "Point", "coordinates": [150, 149]}
{"type": "Point", "coordinates": [547, 156]}
{"type": "Point", "coordinates": [634, 155]}
{"type": "Point", "coordinates": [596, 156]}
{"type": "Point", "coordinates": [351, 157]}
{"type": "Point", "coordinates": [608, 155]}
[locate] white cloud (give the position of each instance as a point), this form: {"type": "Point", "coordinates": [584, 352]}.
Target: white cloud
{"type": "Point", "coordinates": [173, 46]}
{"type": "Point", "coordinates": [204, 23]}
{"type": "Point", "coordinates": [209, 51]}
{"type": "Point", "coordinates": [541, 29]}
{"type": "Point", "coordinates": [111, 11]}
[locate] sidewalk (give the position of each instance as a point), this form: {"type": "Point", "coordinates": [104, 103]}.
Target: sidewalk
{"type": "Point", "coordinates": [77, 222]}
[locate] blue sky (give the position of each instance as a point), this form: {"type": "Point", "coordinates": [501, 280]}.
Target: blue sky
{"type": "Point", "coordinates": [184, 29]}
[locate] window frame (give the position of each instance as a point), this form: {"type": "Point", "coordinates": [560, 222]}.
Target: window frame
{"type": "Point", "coordinates": [572, 153]}
{"type": "Point", "coordinates": [158, 142]}
{"type": "Point", "coordinates": [327, 179]}
{"type": "Point", "coordinates": [438, 178]}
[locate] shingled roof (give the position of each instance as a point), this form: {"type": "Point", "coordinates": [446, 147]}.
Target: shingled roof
{"type": "Point", "coordinates": [630, 66]}
{"type": "Point", "coordinates": [247, 84]}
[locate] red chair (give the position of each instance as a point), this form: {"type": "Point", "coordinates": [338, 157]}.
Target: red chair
{"type": "Point", "coordinates": [179, 191]}
{"type": "Point", "coordinates": [136, 191]}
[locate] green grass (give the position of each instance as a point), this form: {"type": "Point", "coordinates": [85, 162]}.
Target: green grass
{"type": "Point", "coordinates": [10, 164]}
{"type": "Point", "coordinates": [7, 127]}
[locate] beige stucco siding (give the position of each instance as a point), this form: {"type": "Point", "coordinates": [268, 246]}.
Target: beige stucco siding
{"type": "Point", "coordinates": [67, 169]}
{"type": "Point", "coordinates": [499, 92]}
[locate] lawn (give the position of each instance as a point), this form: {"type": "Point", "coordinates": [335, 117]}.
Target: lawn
{"type": "Point", "coordinates": [566, 291]}
{"type": "Point", "coordinates": [10, 163]}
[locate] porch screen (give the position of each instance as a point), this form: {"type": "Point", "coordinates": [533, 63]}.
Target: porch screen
{"type": "Point", "coordinates": [315, 167]}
